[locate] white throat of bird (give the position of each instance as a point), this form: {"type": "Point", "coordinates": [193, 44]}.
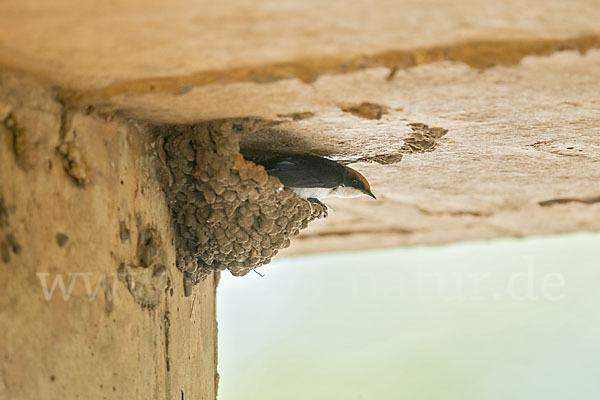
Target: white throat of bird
{"type": "Point", "coordinates": [322, 193]}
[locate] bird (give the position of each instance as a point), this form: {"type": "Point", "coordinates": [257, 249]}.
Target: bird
{"type": "Point", "coordinates": [315, 178]}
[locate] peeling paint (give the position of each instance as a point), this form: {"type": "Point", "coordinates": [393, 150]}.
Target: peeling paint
{"type": "Point", "coordinates": [366, 110]}
{"type": "Point", "coordinates": [423, 138]}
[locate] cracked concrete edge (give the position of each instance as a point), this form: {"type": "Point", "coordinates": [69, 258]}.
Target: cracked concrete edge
{"type": "Point", "coordinates": [459, 227]}
{"type": "Point", "coordinates": [479, 54]}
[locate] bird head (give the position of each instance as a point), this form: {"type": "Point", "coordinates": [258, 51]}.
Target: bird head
{"type": "Point", "coordinates": [355, 184]}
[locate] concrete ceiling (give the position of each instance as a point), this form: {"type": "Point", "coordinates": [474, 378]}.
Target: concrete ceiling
{"type": "Point", "coordinates": [471, 119]}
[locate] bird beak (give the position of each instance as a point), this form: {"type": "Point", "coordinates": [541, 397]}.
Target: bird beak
{"type": "Point", "coordinates": [368, 193]}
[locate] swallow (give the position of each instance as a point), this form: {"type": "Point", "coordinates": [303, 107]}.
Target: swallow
{"type": "Point", "coordinates": [315, 178]}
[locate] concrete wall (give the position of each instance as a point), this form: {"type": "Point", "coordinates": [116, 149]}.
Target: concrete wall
{"type": "Point", "coordinates": [79, 196]}
{"type": "Point", "coordinates": [471, 119]}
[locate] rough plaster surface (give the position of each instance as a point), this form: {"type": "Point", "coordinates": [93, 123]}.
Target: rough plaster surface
{"type": "Point", "coordinates": [96, 44]}
{"type": "Point", "coordinates": [501, 145]}
{"type": "Point", "coordinates": [471, 119]}
{"type": "Point", "coordinates": [92, 207]}
{"type": "Point", "coordinates": [521, 156]}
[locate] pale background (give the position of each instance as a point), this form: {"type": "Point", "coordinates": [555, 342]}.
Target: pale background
{"type": "Point", "coordinates": [380, 325]}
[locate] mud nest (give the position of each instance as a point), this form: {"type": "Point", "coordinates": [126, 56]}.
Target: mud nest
{"type": "Point", "coordinates": [228, 212]}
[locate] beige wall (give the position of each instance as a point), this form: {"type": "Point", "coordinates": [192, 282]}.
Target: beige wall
{"type": "Point", "coordinates": [80, 209]}
{"type": "Point", "coordinates": [483, 123]}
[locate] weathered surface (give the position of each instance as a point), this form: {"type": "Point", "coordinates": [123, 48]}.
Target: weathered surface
{"type": "Point", "coordinates": [472, 119]}
{"type": "Point", "coordinates": [521, 155]}
{"type": "Point", "coordinates": [459, 154]}
{"type": "Point", "coordinates": [94, 216]}
{"type": "Point", "coordinates": [86, 44]}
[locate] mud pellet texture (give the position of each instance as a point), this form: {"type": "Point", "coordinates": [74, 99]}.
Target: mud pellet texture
{"type": "Point", "coordinates": [228, 212]}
